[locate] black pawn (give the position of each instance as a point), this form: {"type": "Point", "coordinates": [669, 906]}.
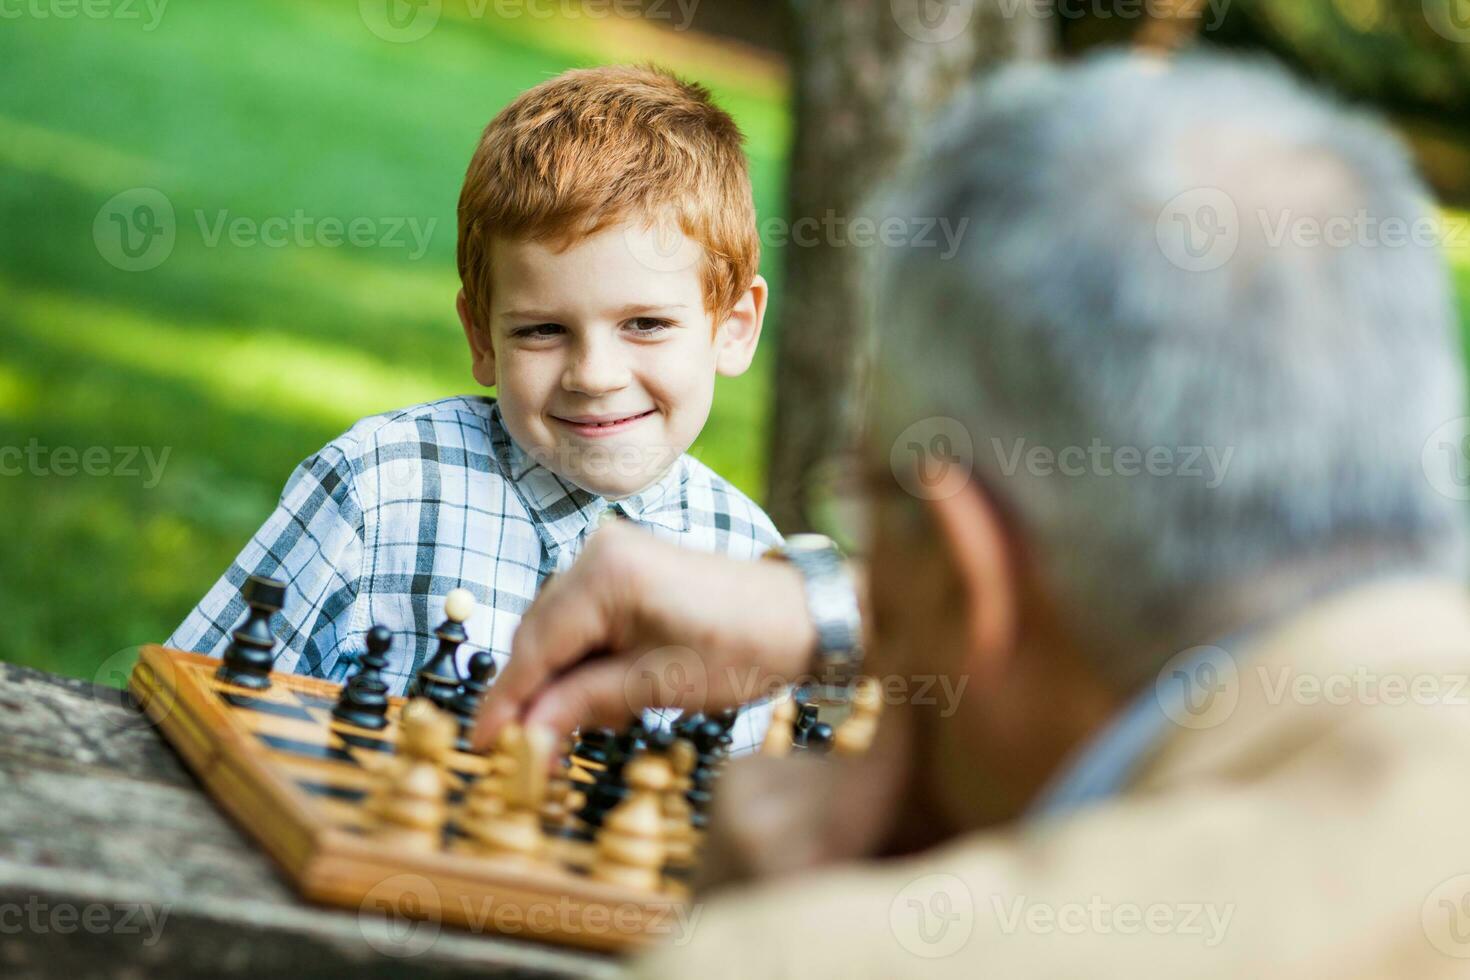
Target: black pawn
{"type": "Point", "coordinates": [819, 738]}
{"type": "Point", "coordinates": [806, 719]}
{"type": "Point", "coordinates": [709, 752]}
{"type": "Point", "coordinates": [595, 745]}
{"type": "Point", "coordinates": [364, 699]}
{"type": "Point", "coordinates": [467, 705]}
{"type": "Point", "coordinates": [726, 720]}
{"type": "Point", "coordinates": [250, 655]}
{"type": "Point", "coordinates": [609, 789]}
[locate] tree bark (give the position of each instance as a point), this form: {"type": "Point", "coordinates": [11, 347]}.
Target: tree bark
{"type": "Point", "coordinates": [867, 75]}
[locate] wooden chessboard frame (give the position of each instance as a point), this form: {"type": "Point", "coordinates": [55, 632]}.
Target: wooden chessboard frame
{"type": "Point", "coordinates": [336, 866]}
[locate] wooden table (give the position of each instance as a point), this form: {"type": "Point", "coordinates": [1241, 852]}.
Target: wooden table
{"type": "Point", "coordinates": [114, 863]}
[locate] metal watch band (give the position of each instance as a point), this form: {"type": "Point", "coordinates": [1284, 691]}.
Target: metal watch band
{"type": "Point", "coordinates": [831, 599]}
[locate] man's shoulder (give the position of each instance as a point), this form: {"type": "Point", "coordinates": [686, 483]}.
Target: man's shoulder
{"type": "Point", "coordinates": [727, 505]}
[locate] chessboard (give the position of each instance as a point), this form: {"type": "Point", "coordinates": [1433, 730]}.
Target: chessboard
{"type": "Point", "coordinates": [301, 783]}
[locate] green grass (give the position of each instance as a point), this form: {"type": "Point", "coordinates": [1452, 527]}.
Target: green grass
{"type": "Point", "coordinates": [241, 361]}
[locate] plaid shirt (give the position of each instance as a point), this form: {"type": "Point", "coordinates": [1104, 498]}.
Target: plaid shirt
{"type": "Point", "coordinates": [384, 521]}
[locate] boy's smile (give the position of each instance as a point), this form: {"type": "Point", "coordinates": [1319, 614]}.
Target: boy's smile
{"type": "Point", "coordinates": [604, 362]}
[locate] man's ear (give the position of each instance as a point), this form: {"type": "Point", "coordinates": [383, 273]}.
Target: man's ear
{"type": "Point", "coordinates": [738, 336]}
{"type": "Point", "coordinates": [482, 354]}
{"type": "Point", "coordinates": [974, 544]}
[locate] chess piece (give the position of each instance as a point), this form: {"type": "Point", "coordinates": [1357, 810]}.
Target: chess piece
{"type": "Point", "coordinates": [778, 737]}
{"type": "Point", "coordinates": [855, 735]}
{"type": "Point", "coordinates": [467, 704]}
{"type": "Point", "coordinates": [438, 678]}
{"type": "Point", "coordinates": [502, 814]}
{"type": "Point", "coordinates": [609, 790]}
{"type": "Point", "coordinates": [819, 738]}
{"type": "Point", "coordinates": [679, 828]}
{"type": "Point", "coordinates": [726, 720]}
{"type": "Point", "coordinates": [594, 746]}
{"type": "Point", "coordinates": [563, 797]}
{"type": "Point", "coordinates": [630, 847]}
{"type": "Point", "coordinates": [709, 754]}
{"type": "Point", "coordinates": [409, 807]}
{"type": "Point", "coordinates": [250, 656]}
{"type": "Point", "coordinates": [806, 717]}
{"type": "Point", "coordinates": [364, 698]}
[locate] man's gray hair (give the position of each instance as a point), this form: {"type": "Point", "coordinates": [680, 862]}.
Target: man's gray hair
{"type": "Point", "coordinates": [1138, 271]}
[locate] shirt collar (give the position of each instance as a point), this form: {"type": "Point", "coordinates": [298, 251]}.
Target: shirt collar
{"type": "Point", "coordinates": [562, 511]}
{"type": "Point", "coordinates": [1104, 766]}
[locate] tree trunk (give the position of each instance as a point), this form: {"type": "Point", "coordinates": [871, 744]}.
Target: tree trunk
{"type": "Point", "coordinates": [868, 75]}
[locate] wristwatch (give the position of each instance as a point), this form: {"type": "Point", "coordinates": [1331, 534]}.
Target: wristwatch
{"type": "Point", "coordinates": [831, 599]}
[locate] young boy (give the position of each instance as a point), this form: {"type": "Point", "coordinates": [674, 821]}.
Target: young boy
{"type": "Point", "coordinates": [608, 256]}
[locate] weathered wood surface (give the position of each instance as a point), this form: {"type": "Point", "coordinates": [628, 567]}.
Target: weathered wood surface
{"type": "Point", "coordinates": [114, 863]}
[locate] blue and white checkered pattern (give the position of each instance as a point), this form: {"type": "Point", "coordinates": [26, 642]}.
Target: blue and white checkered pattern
{"type": "Point", "coordinates": [383, 522]}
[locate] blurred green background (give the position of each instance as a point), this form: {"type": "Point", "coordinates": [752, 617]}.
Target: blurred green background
{"type": "Point", "coordinates": [239, 360]}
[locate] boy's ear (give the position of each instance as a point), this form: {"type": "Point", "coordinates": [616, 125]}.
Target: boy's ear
{"type": "Point", "coordinates": [737, 337]}
{"type": "Point", "coordinates": [482, 354]}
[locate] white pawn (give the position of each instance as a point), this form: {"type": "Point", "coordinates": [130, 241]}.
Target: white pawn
{"type": "Point", "coordinates": [855, 735]}
{"type": "Point", "coordinates": [408, 807]}
{"type": "Point", "coordinates": [630, 848]}
{"type": "Point", "coordinates": [778, 736]}
{"type": "Point", "coordinates": [502, 814]}
{"type": "Point", "coordinates": [679, 834]}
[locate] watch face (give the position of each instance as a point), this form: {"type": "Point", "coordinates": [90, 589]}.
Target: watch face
{"type": "Point", "coordinates": [808, 542]}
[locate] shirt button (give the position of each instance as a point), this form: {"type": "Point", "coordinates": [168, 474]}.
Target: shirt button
{"type": "Point", "coordinates": [608, 516]}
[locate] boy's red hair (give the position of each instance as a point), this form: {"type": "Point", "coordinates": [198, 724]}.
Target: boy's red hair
{"type": "Point", "coordinates": [594, 147]}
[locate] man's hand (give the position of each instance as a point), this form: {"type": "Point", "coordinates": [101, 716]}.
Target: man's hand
{"type": "Point", "coordinates": [639, 623]}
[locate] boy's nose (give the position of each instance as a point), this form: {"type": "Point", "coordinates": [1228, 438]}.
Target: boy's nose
{"type": "Point", "coordinates": [595, 370]}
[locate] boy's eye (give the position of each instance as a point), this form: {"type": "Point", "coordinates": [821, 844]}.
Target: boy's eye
{"type": "Point", "coordinates": [648, 326]}
{"type": "Point", "coordinates": [537, 330]}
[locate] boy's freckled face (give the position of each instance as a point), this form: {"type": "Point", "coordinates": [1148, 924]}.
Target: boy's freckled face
{"type": "Point", "coordinates": [605, 366]}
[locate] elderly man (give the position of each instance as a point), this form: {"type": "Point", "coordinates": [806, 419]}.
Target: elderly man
{"type": "Point", "coordinates": [1176, 522]}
